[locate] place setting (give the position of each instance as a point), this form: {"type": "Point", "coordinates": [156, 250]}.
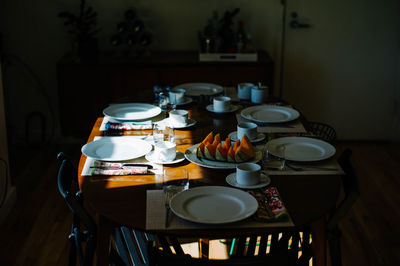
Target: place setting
{"type": "Point", "coordinates": [130, 116]}
{"type": "Point", "coordinates": [272, 118]}
{"type": "Point", "coordinates": [300, 156]}
{"type": "Point", "coordinates": [117, 156]}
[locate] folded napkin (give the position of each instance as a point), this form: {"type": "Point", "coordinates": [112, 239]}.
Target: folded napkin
{"type": "Point", "coordinates": [128, 126]}
{"type": "Point", "coordinates": [116, 125]}
{"type": "Point", "coordinates": [270, 205]}
{"type": "Point", "coordinates": [107, 168]}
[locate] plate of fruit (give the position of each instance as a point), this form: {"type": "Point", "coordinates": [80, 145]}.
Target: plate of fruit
{"type": "Point", "coordinates": [217, 154]}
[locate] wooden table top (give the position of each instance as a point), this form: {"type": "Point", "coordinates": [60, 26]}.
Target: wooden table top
{"type": "Point", "coordinates": [306, 198]}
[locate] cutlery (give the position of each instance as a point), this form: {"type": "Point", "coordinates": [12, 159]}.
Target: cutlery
{"type": "Point", "coordinates": [295, 168]}
{"type": "Point", "coordinates": [168, 195]}
{"type": "Point", "coordinates": [149, 166]}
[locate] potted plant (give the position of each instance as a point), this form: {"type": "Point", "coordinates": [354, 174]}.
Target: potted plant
{"type": "Point", "coordinates": [83, 29]}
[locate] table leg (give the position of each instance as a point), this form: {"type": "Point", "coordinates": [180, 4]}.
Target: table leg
{"type": "Point", "coordinates": [319, 242]}
{"type": "Point", "coordinates": [104, 232]}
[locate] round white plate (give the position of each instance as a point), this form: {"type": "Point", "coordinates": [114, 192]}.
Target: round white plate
{"type": "Point", "coordinates": [151, 158]}
{"type": "Point", "coordinates": [270, 114]}
{"type": "Point", "coordinates": [213, 205]}
{"type": "Point", "coordinates": [132, 111]}
{"type": "Point", "coordinates": [301, 149]}
{"type": "Point", "coordinates": [190, 122]}
{"type": "Point", "coordinates": [116, 149]}
{"type": "Point", "coordinates": [233, 108]}
{"type": "Point", "coordinates": [264, 181]}
{"type": "Point", "coordinates": [187, 100]}
{"type": "Point", "coordinates": [260, 137]}
{"type": "Point", "coordinates": [192, 157]}
{"type": "Point", "coordinates": [197, 89]}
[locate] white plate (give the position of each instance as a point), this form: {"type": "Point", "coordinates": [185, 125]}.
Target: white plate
{"type": "Point", "coordinates": [190, 122]}
{"type": "Point", "coordinates": [132, 111]}
{"type": "Point", "coordinates": [270, 114]}
{"type": "Point", "coordinates": [197, 89]}
{"type": "Point", "coordinates": [187, 100]}
{"type": "Point", "coordinates": [264, 181]}
{"type": "Point", "coordinates": [301, 149]}
{"type": "Point", "coordinates": [260, 137]}
{"type": "Point", "coordinates": [233, 108]}
{"type": "Point", "coordinates": [116, 149]}
{"type": "Point", "coordinates": [179, 158]}
{"type": "Point", "coordinates": [213, 205]}
{"type": "Point", "coordinates": [192, 157]}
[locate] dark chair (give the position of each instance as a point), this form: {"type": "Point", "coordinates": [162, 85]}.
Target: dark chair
{"type": "Point", "coordinates": [351, 193]}
{"type": "Point", "coordinates": [83, 236]}
{"type": "Point", "coordinates": [323, 131]}
{"type": "Point", "coordinates": [83, 227]}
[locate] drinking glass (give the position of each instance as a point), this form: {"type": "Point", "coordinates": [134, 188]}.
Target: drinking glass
{"type": "Point", "coordinates": [282, 156]}
{"type": "Point", "coordinates": [158, 133]}
{"type": "Point", "coordinates": [175, 179]}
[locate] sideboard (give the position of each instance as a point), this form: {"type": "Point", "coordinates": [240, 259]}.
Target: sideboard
{"type": "Point", "coordinates": [87, 87]}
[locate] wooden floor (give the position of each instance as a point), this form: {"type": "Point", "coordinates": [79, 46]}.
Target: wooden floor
{"type": "Point", "coordinates": [36, 230]}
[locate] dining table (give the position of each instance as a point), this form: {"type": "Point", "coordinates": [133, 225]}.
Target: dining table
{"type": "Point", "coordinates": [121, 201]}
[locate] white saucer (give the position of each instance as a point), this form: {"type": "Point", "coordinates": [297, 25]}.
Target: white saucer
{"type": "Point", "coordinates": [264, 181]}
{"type": "Point", "coordinates": [179, 158]}
{"type": "Point", "coordinates": [190, 122]}
{"type": "Point", "coordinates": [233, 108]}
{"type": "Point", "coordinates": [260, 137]}
{"type": "Point", "coordinates": [187, 100]}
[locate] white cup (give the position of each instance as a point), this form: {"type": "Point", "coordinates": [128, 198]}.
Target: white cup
{"type": "Point", "coordinates": [176, 96]}
{"type": "Point", "coordinates": [258, 95]}
{"type": "Point", "coordinates": [248, 174]}
{"type": "Point", "coordinates": [244, 90]}
{"type": "Point", "coordinates": [165, 151]}
{"type": "Point", "coordinates": [247, 128]}
{"type": "Point", "coordinates": [178, 117]}
{"type": "Point", "coordinates": [221, 104]}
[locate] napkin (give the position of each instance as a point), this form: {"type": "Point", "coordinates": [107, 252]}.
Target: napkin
{"type": "Point", "coordinates": [128, 126]}
{"type": "Point", "coordinates": [270, 205]}
{"type": "Point", "coordinates": [107, 168]}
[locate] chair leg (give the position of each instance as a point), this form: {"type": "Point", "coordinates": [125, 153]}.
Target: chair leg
{"type": "Point", "coordinates": [334, 247]}
{"type": "Point", "coordinates": [72, 250]}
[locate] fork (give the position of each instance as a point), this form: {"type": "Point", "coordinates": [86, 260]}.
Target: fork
{"type": "Point", "coordinates": [168, 195]}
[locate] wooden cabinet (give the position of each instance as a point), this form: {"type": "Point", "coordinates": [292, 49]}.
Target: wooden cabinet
{"type": "Point", "coordinates": [86, 88]}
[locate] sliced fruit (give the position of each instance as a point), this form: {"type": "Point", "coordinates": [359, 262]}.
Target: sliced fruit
{"type": "Point", "coordinates": [245, 151]}
{"type": "Point", "coordinates": [210, 150]}
{"type": "Point", "coordinates": [217, 139]}
{"type": "Point", "coordinates": [230, 157]}
{"type": "Point", "coordinates": [200, 150]}
{"type": "Point", "coordinates": [236, 145]}
{"type": "Point", "coordinates": [227, 143]}
{"type": "Point", "coordinates": [221, 153]}
{"type": "Point", "coordinates": [208, 139]}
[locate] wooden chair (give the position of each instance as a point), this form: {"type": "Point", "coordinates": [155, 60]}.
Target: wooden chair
{"type": "Point", "coordinates": [83, 229]}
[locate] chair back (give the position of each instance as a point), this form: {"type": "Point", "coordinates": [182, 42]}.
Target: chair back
{"type": "Point", "coordinates": [67, 184]}
{"type": "Point", "coordinates": [350, 187]}
{"type": "Point", "coordinates": [323, 131]}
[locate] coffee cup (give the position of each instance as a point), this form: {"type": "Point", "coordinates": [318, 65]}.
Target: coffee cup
{"type": "Point", "coordinates": [248, 174]}
{"type": "Point", "coordinates": [258, 94]}
{"type": "Point", "coordinates": [178, 117]}
{"type": "Point", "coordinates": [221, 104]}
{"type": "Point", "coordinates": [244, 90]}
{"type": "Point", "coordinates": [176, 96]}
{"type": "Point", "coordinates": [165, 151]}
{"type": "Point", "coordinates": [247, 128]}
